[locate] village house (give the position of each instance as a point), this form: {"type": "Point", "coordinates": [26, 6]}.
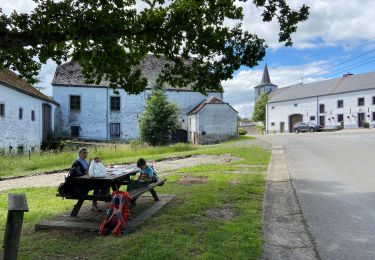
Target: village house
{"type": "Point", "coordinates": [95, 112]}
{"type": "Point", "coordinates": [348, 101]}
{"type": "Point", "coordinates": [26, 115]}
{"type": "Point", "coordinates": [205, 126]}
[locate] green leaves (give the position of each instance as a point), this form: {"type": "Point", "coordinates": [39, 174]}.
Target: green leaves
{"type": "Point", "coordinates": [110, 38]}
{"type": "Point", "coordinates": [159, 120]}
{"type": "Point", "coordinates": [259, 114]}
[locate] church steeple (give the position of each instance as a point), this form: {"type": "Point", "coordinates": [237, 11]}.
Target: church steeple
{"type": "Point", "coordinates": [266, 80]}
{"type": "Point", "coordinates": [265, 86]}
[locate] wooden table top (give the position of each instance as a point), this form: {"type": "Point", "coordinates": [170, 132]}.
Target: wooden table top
{"type": "Point", "coordinates": [126, 172]}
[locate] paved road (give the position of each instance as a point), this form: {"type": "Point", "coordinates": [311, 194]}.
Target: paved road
{"type": "Point", "coordinates": [334, 177]}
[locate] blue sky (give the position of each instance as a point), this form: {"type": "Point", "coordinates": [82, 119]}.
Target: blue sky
{"type": "Point", "coordinates": [337, 31]}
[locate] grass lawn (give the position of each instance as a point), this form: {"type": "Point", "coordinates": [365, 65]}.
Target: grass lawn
{"type": "Point", "coordinates": [52, 161]}
{"type": "Point", "coordinates": [184, 229]}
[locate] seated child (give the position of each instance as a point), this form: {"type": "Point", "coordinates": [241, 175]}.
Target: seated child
{"type": "Point", "coordinates": [145, 176]}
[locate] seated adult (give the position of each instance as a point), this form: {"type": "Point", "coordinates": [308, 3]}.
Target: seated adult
{"type": "Point", "coordinates": [80, 168]}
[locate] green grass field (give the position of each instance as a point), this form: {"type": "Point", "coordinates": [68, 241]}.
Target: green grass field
{"type": "Point", "coordinates": [181, 230]}
{"type": "Point", "coordinates": [52, 161]}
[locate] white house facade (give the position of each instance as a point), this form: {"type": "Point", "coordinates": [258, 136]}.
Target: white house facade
{"type": "Point", "coordinates": [212, 121]}
{"type": "Point", "coordinates": [96, 112]}
{"type": "Point", "coordinates": [26, 115]}
{"type": "Point", "coordinates": [348, 101]}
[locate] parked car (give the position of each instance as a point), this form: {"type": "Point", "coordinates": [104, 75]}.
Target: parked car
{"type": "Point", "coordinates": [305, 127]}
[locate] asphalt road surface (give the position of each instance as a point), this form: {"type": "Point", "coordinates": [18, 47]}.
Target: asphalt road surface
{"type": "Point", "coordinates": [334, 178]}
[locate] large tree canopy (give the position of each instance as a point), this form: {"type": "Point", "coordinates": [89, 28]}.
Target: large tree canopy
{"type": "Point", "coordinates": [109, 38]}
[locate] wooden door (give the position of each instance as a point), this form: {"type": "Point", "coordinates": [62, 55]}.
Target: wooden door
{"type": "Point", "coordinates": [322, 121]}
{"type": "Point", "coordinates": [282, 127]}
{"type": "Point", "coordinates": [361, 119]}
{"type": "Point", "coordinates": [46, 121]}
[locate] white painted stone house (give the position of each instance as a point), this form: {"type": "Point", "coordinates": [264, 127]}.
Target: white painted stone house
{"type": "Point", "coordinates": [95, 112]}
{"type": "Point", "coordinates": [26, 115]}
{"type": "Point", "coordinates": [349, 100]}
{"type": "Point", "coordinates": [212, 121]}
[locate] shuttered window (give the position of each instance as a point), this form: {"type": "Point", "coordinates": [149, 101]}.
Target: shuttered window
{"type": "Point", "coordinates": [115, 130]}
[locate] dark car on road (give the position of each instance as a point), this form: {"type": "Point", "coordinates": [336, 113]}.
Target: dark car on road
{"type": "Point", "coordinates": [305, 127]}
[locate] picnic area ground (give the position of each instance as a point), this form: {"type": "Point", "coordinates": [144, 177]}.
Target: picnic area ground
{"type": "Point", "coordinates": [216, 211]}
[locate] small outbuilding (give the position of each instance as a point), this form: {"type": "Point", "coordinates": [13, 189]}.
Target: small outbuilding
{"type": "Point", "coordinates": [212, 121]}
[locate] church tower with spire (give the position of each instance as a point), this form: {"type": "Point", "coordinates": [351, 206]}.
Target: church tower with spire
{"type": "Point", "coordinates": [265, 86]}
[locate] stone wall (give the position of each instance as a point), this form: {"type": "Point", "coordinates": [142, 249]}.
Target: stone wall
{"type": "Point", "coordinates": [15, 132]}
{"type": "Point", "coordinates": [95, 116]}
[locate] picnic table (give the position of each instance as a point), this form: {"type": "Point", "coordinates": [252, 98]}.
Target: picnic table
{"type": "Point", "coordinates": [115, 178]}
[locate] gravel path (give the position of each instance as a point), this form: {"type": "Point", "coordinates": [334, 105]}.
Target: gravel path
{"type": "Point", "coordinates": [162, 167]}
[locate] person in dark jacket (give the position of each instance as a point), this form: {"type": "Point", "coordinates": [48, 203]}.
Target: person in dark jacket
{"type": "Point", "coordinates": [80, 168]}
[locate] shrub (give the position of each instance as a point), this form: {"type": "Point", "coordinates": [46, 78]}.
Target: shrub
{"type": "Point", "coordinates": [159, 120]}
{"type": "Point", "coordinates": [367, 125]}
{"type": "Point", "coordinates": [242, 131]}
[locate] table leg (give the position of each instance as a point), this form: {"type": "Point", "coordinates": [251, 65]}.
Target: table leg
{"type": "Point", "coordinates": [114, 187]}
{"type": "Point", "coordinates": [154, 195]}
{"type": "Point", "coordinates": [76, 208]}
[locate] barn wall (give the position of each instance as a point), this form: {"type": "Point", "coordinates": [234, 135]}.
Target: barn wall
{"type": "Point", "coordinates": [280, 111]}
{"type": "Point", "coordinates": [15, 132]}
{"type": "Point", "coordinates": [216, 123]}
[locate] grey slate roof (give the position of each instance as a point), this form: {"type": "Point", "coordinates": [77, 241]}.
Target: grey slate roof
{"type": "Point", "coordinates": [69, 74]}
{"type": "Point", "coordinates": [266, 79]}
{"type": "Point", "coordinates": [348, 83]}
{"type": "Point", "coordinates": [209, 100]}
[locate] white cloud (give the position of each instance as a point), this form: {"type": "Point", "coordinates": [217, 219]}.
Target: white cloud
{"type": "Point", "coordinates": [331, 22]}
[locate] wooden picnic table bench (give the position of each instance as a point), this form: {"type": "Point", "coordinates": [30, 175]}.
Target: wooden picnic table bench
{"type": "Point", "coordinates": [113, 181]}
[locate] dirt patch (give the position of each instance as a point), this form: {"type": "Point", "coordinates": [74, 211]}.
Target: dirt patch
{"type": "Point", "coordinates": [175, 164]}
{"type": "Point", "coordinates": [192, 180]}
{"type": "Point", "coordinates": [224, 213]}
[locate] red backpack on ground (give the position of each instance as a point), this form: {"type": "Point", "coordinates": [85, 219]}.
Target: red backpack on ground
{"type": "Point", "coordinates": [117, 216]}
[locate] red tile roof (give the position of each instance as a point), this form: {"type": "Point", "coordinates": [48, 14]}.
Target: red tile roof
{"type": "Point", "coordinates": [11, 79]}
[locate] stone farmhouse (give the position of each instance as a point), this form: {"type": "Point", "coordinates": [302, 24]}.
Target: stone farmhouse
{"type": "Point", "coordinates": [203, 123]}
{"type": "Point", "coordinates": [348, 101]}
{"type": "Point", "coordinates": [26, 115]}
{"type": "Point", "coordinates": [95, 112]}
